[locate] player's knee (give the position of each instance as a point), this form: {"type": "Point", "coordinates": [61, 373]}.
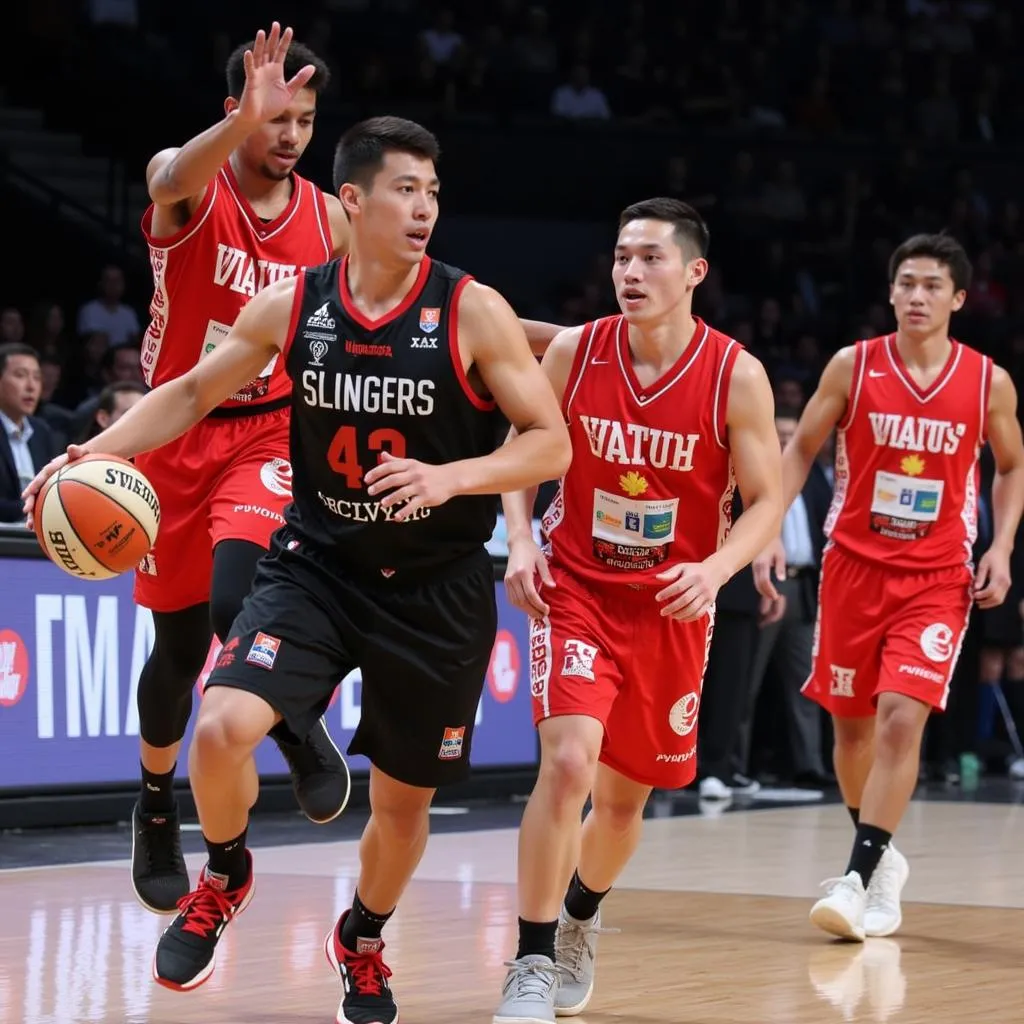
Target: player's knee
{"type": "Point", "coordinates": [164, 694]}
{"type": "Point", "coordinates": [899, 729]}
{"type": "Point", "coordinates": [230, 726]}
{"type": "Point", "coordinates": [568, 765]}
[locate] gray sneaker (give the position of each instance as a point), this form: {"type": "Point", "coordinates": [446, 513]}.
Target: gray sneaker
{"type": "Point", "coordinates": [575, 953]}
{"type": "Point", "coordinates": [528, 996]}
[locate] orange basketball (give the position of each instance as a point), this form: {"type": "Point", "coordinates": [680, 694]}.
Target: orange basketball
{"type": "Point", "coordinates": [97, 517]}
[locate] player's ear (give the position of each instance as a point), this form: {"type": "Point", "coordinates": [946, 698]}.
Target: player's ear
{"type": "Point", "coordinates": [351, 198]}
{"type": "Point", "coordinates": [959, 298]}
{"type": "Point", "coordinates": [230, 105]}
{"type": "Point", "coordinates": [697, 270]}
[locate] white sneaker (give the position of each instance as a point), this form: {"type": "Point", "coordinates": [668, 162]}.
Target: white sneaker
{"type": "Point", "coordinates": [882, 912]}
{"type": "Point", "coordinates": [714, 789]}
{"type": "Point", "coordinates": [841, 911]}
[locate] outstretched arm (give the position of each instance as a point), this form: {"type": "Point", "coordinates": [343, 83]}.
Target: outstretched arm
{"type": "Point", "coordinates": [259, 332]}
{"type": "Point", "coordinates": [1004, 434]}
{"type": "Point", "coordinates": [182, 175]}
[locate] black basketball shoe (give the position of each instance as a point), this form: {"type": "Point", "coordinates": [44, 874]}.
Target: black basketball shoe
{"type": "Point", "coordinates": [159, 874]}
{"type": "Point", "coordinates": [320, 776]}
{"type": "Point", "coordinates": [364, 975]}
{"type": "Point", "coordinates": [185, 954]}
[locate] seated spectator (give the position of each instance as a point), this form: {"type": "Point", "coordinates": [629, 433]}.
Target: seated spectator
{"type": "Point", "coordinates": [26, 442]}
{"type": "Point", "coordinates": [107, 314]}
{"type": "Point", "coordinates": [578, 99]}
{"type": "Point", "coordinates": [114, 401]}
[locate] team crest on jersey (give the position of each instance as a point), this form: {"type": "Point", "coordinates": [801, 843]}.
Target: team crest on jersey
{"type": "Point", "coordinates": [430, 318]}
{"type": "Point", "coordinates": [317, 351]}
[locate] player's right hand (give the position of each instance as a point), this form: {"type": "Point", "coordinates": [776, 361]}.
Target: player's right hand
{"type": "Point", "coordinates": [75, 451]}
{"type": "Point", "coordinates": [526, 562]}
{"type": "Point", "coordinates": [773, 557]}
{"type": "Point", "coordinates": [266, 94]}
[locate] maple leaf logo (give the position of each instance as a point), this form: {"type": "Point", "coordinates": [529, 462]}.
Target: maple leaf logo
{"type": "Point", "coordinates": [912, 465]}
{"type": "Point", "coordinates": [633, 483]}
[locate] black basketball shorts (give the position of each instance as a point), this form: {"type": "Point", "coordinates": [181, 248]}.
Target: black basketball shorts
{"type": "Point", "coordinates": [422, 646]}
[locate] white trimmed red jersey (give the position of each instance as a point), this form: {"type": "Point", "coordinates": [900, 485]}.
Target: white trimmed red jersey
{"type": "Point", "coordinates": [205, 273]}
{"type": "Point", "coordinates": [651, 478]}
{"type": "Point", "coordinates": [906, 460]}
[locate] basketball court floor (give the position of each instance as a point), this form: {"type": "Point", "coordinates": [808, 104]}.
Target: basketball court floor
{"type": "Point", "coordinates": [711, 919]}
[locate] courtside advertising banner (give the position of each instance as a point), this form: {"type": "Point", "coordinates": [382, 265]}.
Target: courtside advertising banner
{"type": "Point", "coordinates": [70, 656]}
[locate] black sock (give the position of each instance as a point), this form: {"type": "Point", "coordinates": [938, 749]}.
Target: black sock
{"type": "Point", "coordinates": [157, 793]}
{"type": "Point", "coordinates": [581, 903]}
{"type": "Point", "coordinates": [855, 814]}
{"type": "Point", "coordinates": [362, 924]}
{"type": "Point", "coordinates": [868, 847]}
{"type": "Point", "coordinates": [229, 859]}
{"type": "Point", "coordinates": [537, 938]}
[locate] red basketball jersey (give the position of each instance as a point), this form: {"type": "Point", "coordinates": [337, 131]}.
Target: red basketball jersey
{"type": "Point", "coordinates": [906, 462]}
{"type": "Point", "coordinates": [651, 477]}
{"type": "Point", "coordinates": [205, 273]}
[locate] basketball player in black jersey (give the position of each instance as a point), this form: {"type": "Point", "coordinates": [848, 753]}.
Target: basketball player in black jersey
{"type": "Point", "coordinates": [399, 365]}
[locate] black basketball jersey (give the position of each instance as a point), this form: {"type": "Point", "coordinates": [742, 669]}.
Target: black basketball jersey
{"type": "Point", "coordinates": [395, 385]}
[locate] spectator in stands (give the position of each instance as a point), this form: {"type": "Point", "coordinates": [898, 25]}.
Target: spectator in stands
{"type": "Point", "coordinates": [578, 99]}
{"type": "Point", "coordinates": [119, 365]}
{"type": "Point", "coordinates": [114, 401]}
{"type": "Point", "coordinates": [26, 442]}
{"type": "Point", "coordinates": [12, 326]}
{"type": "Point", "coordinates": [107, 314]}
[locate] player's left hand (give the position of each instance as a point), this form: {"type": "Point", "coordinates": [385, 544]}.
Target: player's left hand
{"type": "Point", "coordinates": [693, 590]}
{"type": "Point", "coordinates": [993, 578]}
{"type": "Point", "coordinates": [413, 485]}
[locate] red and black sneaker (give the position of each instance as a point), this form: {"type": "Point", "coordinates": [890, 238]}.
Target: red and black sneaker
{"type": "Point", "coordinates": [368, 998]}
{"type": "Point", "coordinates": [185, 954]}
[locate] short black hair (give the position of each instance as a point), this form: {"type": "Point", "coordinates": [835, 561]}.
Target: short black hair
{"type": "Point", "coordinates": [297, 57]}
{"type": "Point", "coordinates": [690, 229]}
{"type": "Point", "coordinates": [15, 348]}
{"type": "Point", "coordinates": [787, 412]}
{"type": "Point", "coordinates": [361, 150]}
{"type": "Point", "coordinates": [944, 249]}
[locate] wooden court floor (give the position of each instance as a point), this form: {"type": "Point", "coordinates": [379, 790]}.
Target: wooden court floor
{"type": "Point", "coordinates": [712, 919]}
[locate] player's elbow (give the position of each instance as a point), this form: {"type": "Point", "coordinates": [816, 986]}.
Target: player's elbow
{"type": "Point", "coordinates": [561, 452]}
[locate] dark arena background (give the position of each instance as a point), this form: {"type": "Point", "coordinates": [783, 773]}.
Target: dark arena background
{"type": "Point", "coordinates": [813, 136]}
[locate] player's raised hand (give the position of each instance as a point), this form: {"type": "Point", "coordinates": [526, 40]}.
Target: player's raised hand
{"type": "Point", "coordinates": [75, 451]}
{"type": "Point", "coordinates": [413, 485]}
{"type": "Point", "coordinates": [266, 93]}
{"type": "Point", "coordinates": [993, 578]}
{"type": "Point", "coordinates": [526, 564]}
{"type": "Point", "coordinates": [773, 557]}
{"type": "Point", "coordinates": [692, 591]}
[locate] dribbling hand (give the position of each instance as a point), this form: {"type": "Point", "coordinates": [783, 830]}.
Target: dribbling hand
{"type": "Point", "coordinates": [526, 562]}
{"type": "Point", "coordinates": [266, 93]}
{"type": "Point", "coordinates": [773, 557]}
{"type": "Point", "coordinates": [413, 485]}
{"type": "Point", "coordinates": [75, 451]}
{"type": "Point", "coordinates": [693, 591]}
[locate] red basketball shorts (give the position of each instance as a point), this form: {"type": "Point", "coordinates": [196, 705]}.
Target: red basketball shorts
{"type": "Point", "coordinates": [609, 654]}
{"type": "Point", "coordinates": [881, 630]}
{"type": "Point", "coordinates": [225, 479]}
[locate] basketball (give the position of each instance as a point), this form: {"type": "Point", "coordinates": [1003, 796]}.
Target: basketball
{"type": "Point", "coordinates": [97, 517]}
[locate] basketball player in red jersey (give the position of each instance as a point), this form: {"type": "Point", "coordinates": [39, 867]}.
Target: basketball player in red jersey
{"type": "Point", "coordinates": [665, 415]}
{"type": "Point", "coordinates": [229, 217]}
{"type": "Point", "coordinates": [912, 411]}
